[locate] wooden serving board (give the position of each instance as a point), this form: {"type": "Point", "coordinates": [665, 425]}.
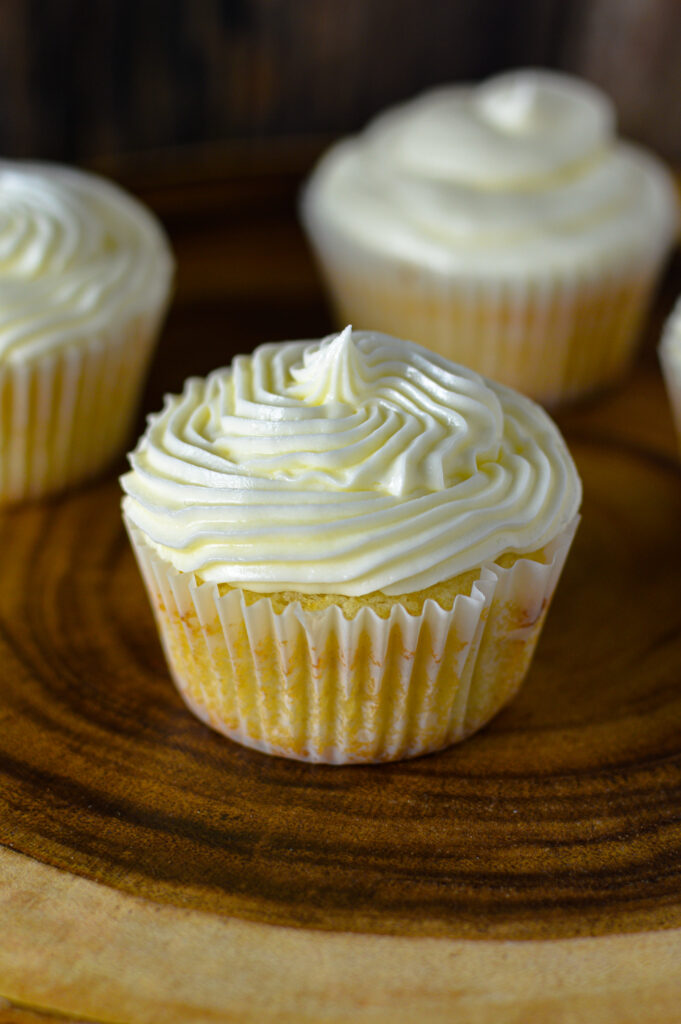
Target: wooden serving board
{"type": "Point", "coordinates": [152, 871]}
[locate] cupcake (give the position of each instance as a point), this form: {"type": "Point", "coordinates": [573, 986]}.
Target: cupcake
{"type": "Point", "coordinates": [501, 225]}
{"type": "Point", "coordinates": [85, 275]}
{"type": "Point", "coordinates": [670, 360]}
{"type": "Point", "coordinates": [349, 545]}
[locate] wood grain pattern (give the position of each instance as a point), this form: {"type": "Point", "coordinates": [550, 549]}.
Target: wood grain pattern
{"type": "Point", "coordinates": [562, 818]}
{"type": "Point", "coordinates": [85, 950]}
{"type": "Point", "coordinates": [137, 846]}
{"type": "Point", "coordinates": [13, 1013]}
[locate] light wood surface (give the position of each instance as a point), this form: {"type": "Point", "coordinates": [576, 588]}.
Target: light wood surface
{"type": "Point", "coordinates": [151, 871]}
{"type": "Point", "coordinates": [87, 950]}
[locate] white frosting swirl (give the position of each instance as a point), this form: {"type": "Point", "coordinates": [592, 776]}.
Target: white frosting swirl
{"type": "Point", "coordinates": [670, 347]}
{"type": "Point", "coordinates": [520, 172]}
{"type": "Point", "coordinates": [354, 464]}
{"type": "Point", "coordinates": [78, 259]}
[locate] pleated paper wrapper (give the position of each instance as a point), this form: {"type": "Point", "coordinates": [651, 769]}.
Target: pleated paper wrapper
{"type": "Point", "coordinates": [66, 415]}
{"type": "Point", "coordinates": [316, 686]}
{"type": "Point", "coordinates": [555, 335]}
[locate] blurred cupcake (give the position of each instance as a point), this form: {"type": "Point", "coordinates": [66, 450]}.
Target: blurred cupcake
{"type": "Point", "coordinates": [85, 276]}
{"type": "Point", "coordinates": [349, 545]}
{"type": "Point", "coordinates": [670, 361]}
{"type": "Point", "coordinates": [503, 226]}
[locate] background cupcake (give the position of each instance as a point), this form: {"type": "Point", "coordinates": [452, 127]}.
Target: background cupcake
{"type": "Point", "coordinates": [349, 545]}
{"type": "Point", "coordinates": [501, 225]}
{"type": "Point", "coordinates": [670, 361]}
{"type": "Point", "coordinates": [85, 276]}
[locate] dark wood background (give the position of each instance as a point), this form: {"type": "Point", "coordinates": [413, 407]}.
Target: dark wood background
{"type": "Point", "coordinates": [92, 80]}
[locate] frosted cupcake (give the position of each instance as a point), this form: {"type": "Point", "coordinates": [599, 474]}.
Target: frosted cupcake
{"type": "Point", "coordinates": [349, 545]}
{"type": "Point", "coordinates": [85, 275]}
{"type": "Point", "coordinates": [503, 226]}
{"type": "Point", "coordinates": [670, 361]}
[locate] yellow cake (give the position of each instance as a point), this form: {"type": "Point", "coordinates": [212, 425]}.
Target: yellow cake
{"type": "Point", "coordinates": [502, 225]}
{"type": "Point", "coordinates": [349, 545]}
{"type": "Point", "coordinates": [85, 276]}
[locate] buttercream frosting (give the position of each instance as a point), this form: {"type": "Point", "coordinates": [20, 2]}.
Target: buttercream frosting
{"type": "Point", "coordinates": [78, 258]}
{"type": "Point", "coordinates": [672, 330]}
{"type": "Point", "coordinates": [521, 172]}
{"type": "Point", "coordinates": [348, 465]}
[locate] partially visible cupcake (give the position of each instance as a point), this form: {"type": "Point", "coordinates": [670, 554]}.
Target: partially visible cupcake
{"type": "Point", "coordinates": [670, 360]}
{"type": "Point", "coordinates": [349, 545]}
{"type": "Point", "coordinates": [502, 225]}
{"type": "Point", "coordinates": [85, 278]}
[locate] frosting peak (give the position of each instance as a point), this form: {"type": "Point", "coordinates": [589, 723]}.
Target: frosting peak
{"type": "Point", "coordinates": [513, 109]}
{"type": "Point", "coordinates": [354, 464]}
{"type": "Point", "coordinates": [439, 429]}
{"type": "Point", "coordinates": [550, 107]}
{"type": "Point", "coordinates": [333, 372]}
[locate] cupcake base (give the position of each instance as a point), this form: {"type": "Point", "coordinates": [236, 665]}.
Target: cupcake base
{"type": "Point", "coordinates": [556, 335]}
{"type": "Point", "coordinates": [317, 686]}
{"type": "Point", "coordinates": [65, 416]}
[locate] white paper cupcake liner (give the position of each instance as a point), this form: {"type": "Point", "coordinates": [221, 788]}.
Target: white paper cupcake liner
{"type": "Point", "coordinates": [66, 415]}
{"type": "Point", "coordinates": [669, 353]}
{"type": "Point", "coordinates": [554, 336]}
{"type": "Point", "coordinates": [316, 686]}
